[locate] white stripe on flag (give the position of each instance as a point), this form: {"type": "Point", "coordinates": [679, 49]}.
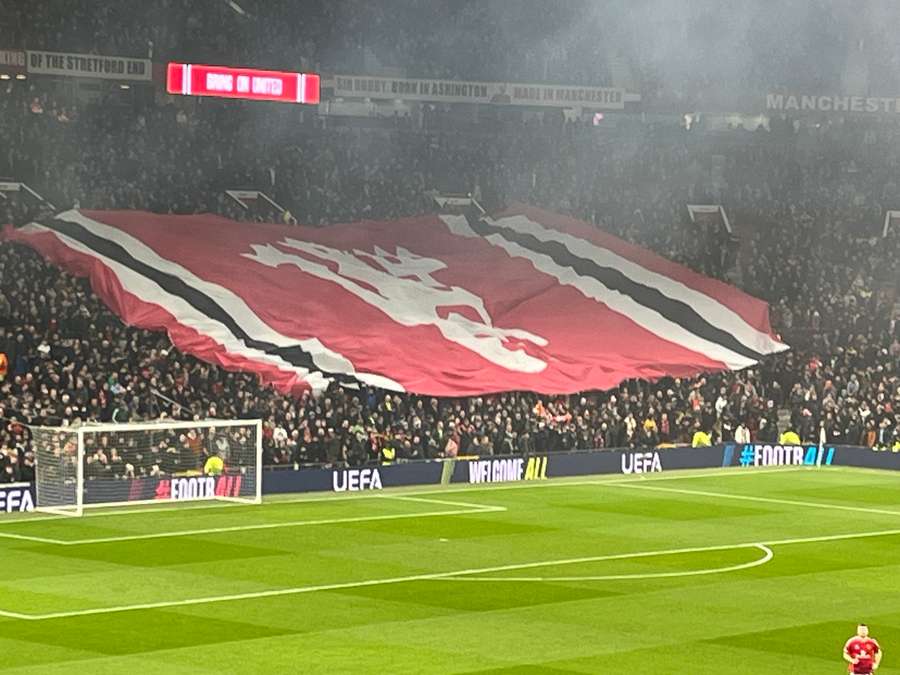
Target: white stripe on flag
{"type": "Point", "coordinates": [323, 357]}
{"type": "Point", "coordinates": [149, 291]}
{"type": "Point", "coordinates": [709, 308]}
{"type": "Point", "coordinates": [645, 317]}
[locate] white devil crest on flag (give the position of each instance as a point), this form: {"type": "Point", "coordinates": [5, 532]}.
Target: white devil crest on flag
{"type": "Point", "coordinates": [401, 286]}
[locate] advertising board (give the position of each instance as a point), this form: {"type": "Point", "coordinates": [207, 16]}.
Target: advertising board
{"type": "Point", "coordinates": [19, 497]}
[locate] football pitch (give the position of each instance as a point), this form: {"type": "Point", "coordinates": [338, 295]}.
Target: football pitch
{"type": "Point", "coordinates": [731, 571]}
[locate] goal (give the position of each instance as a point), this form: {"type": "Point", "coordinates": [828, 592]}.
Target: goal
{"type": "Point", "coordinates": [99, 465]}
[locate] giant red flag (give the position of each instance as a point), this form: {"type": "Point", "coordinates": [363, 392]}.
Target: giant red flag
{"type": "Point", "coordinates": [439, 305]}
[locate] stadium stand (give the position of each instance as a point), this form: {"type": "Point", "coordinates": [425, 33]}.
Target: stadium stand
{"type": "Point", "coordinates": [807, 205]}
{"type": "Point", "coordinates": [337, 37]}
{"type": "Point", "coordinates": [70, 358]}
{"type": "Point", "coordinates": [475, 196]}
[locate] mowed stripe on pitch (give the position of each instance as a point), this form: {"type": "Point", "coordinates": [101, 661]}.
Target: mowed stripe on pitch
{"type": "Point", "coordinates": [445, 575]}
{"type": "Point", "coordinates": [455, 574]}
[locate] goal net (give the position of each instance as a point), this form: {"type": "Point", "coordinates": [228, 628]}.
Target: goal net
{"type": "Point", "coordinates": [112, 464]}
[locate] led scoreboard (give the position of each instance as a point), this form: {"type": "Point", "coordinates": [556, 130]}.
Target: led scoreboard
{"type": "Point", "coordinates": [260, 85]}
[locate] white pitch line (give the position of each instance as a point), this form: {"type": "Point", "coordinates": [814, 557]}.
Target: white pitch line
{"type": "Point", "coordinates": [105, 511]}
{"type": "Point", "coordinates": [832, 537]}
{"type": "Point", "coordinates": [424, 500]}
{"type": "Point", "coordinates": [767, 556]}
{"type": "Point", "coordinates": [16, 615]}
{"type": "Point", "coordinates": [245, 528]}
{"type": "Point", "coordinates": [28, 537]}
{"type": "Point", "coordinates": [765, 500]}
{"type": "Point", "coordinates": [442, 575]}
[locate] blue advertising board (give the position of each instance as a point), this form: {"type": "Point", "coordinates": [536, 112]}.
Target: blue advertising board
{"type": "Point", "coordinates": [16, 498]}
{"type": "Point", "coordinates": [495, 469]}
{"type": "Point", "coordinates": [583, 463]}
{"type": "Point", "coordinates": [353, 479]}
{"type": "Point", "coordinates": [750, 455]}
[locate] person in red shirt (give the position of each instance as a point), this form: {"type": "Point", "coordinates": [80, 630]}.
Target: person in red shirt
{"type": "Point", "coordinates": [862, 652]}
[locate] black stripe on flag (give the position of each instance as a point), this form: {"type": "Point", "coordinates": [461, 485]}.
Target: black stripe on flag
{"type": "Point", "coordinates": [294, 355]}
{"type": "Point", "coordinates": [676, 311]}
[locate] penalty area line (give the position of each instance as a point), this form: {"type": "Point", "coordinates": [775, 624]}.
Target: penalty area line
{"type": "Point", "coordinates": [437, 576]}
{"type": "Point", "coordinates": [16, 615]}
{"type": "Point", "coordinates": [28, 537]}
{"type": "Point", "coordinates": [482, 508]}
{"type": "Point", "coordinates": [467, 509]}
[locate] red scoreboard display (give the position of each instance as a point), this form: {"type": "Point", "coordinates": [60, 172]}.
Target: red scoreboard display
{"type": "Point", "coordinates": [259, 85]}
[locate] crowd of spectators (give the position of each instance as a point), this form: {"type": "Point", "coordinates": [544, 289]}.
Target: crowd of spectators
{"type": "Point", "coordinates": [91, 367]}
{"type": "Point", "coordinates": [70, 359]}
{"type": "Point", "coordinates": [811, 248]}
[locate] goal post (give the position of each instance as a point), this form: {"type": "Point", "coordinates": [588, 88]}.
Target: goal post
{"type": "Point", "coordinates": [58, 470]}
{"type": "Point", "coordinates": [105, 465]}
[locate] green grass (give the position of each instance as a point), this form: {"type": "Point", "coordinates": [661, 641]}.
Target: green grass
{"type": "Point", "coordinates": [323, 586]}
